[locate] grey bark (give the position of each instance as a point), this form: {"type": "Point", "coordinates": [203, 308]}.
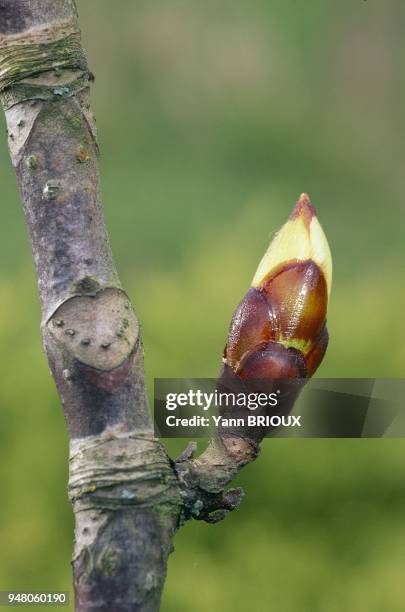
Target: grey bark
{"type": "Point", "coordinates": [128, 497]}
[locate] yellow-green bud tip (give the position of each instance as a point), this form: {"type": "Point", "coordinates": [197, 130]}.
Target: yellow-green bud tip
{"type": "Point", "coordinates": [300, 239]}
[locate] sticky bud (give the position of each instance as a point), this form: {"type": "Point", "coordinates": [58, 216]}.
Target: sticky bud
{"type": "Point", "coordinates": [279, 328]}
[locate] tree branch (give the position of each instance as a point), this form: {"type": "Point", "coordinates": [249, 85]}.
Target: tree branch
{"type": "Point", "coordinates": [121, 483]}
{"type": "Point", "coordinates": [128, 497]}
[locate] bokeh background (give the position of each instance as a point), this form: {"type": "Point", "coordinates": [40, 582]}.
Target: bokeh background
{"type": "Point", "coordinates": [213, 117]}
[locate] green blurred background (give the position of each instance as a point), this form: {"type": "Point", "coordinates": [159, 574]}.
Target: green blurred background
{"type": "Point", "coordinates": [213, 117]}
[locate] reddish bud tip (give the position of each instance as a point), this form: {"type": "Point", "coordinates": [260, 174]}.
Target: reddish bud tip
{"type": "Point", "coordinates": [304, 209]}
